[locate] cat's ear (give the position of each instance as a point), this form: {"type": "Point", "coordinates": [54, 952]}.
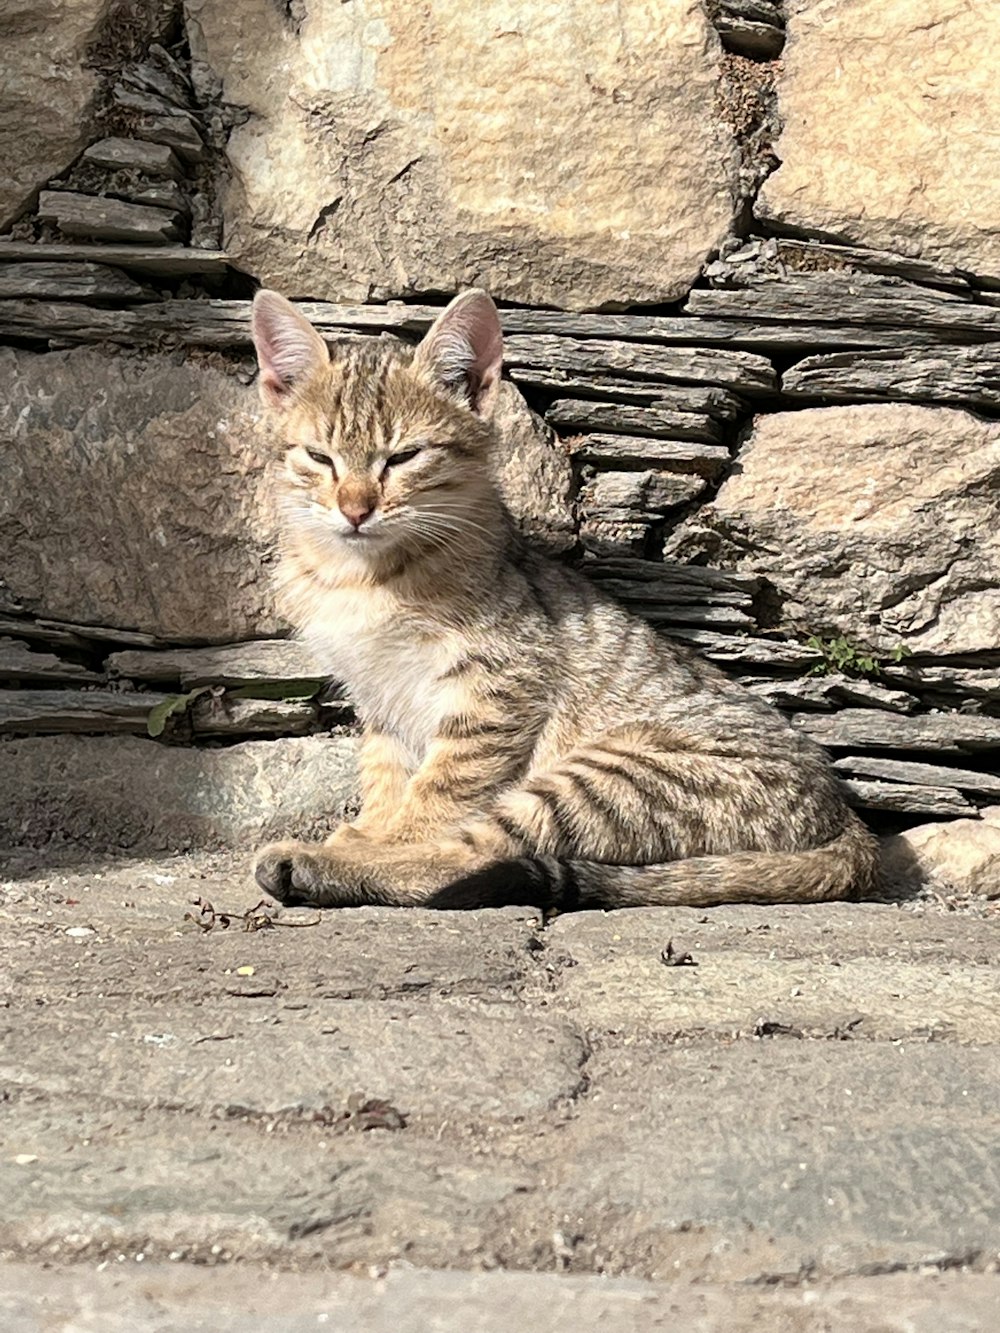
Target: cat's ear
{"type": "Point", "coordinates": [289, 349]}
{"type": "Point", "coordinates": [463, 350]}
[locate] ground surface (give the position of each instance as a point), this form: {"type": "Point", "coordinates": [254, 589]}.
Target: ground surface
{"type": "Point", "coordinates": [801, 1129]}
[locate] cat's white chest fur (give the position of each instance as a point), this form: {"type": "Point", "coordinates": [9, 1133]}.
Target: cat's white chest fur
{"type": "Point", "coordinates": [390, 662]}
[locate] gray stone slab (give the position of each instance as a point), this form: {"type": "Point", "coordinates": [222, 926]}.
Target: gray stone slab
{"type": "Point", "coordinates": [954, 733]}
{"type": "Point", "coordinates": [152, 159]}
{"type": "Point", "coordinates": [909, 798]}
{"type": "Point", "coordinates": [705, 460]}
{"type": "Point", "coordinates": [102, 219]}
{"type": "Point", "coordinates": [130, 1297]}
{"type": "Point", "coordinates": [843, 298]}
{"type": "Point", "coordinates": [712, 1155]}
{"type": "Point", "coordinates": [573, 415]}
{"type": "Point", "coordinates": [163, 261]}
{"type": "Point", "coordinates": [67, 281]}
{"type": "Point", "coordinates": [826, 1156]}
{"type": "Point", "coordinates": [172, 1184]}
{"type": "Point", "coordinates": [436, 1059]}
{"type": "Point", "coordinates": [251, 663]}
{"type": "Point", "coordinates": [842, 973]}
{"type": "Point", "coordinates": [141, 946]}
{"type": "Point", "coordinates": [127, 792]}
{"type": "Point", "coordinates": [900, 770]}
{"type": "Point", "coordinates": [19, 662]}
{"type": "Point", "coordinates": [740, 371]}
{"type": "Point", "coordinates": [48, 712]}
{"type": "Point", "coordinates": [957, 376]}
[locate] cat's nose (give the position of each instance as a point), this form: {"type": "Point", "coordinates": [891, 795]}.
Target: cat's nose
{"type": "Point", "coordinates": [356, 512]}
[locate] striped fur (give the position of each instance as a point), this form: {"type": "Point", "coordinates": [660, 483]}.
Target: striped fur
{"type": "Point", "coordinates": [526, 740]}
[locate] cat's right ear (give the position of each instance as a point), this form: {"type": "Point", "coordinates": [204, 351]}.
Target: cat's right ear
{"type": "Point", "coordinates": [289, 349]}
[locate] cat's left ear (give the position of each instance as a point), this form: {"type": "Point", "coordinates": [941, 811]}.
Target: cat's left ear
{"type": "Point", "coordinates": [289, 349]}
{"type": "Point", "coordinates": [463, 350]}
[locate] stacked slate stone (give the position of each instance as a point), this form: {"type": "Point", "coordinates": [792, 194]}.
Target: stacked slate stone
{"type": "Point", "coordinates": [790, 463]}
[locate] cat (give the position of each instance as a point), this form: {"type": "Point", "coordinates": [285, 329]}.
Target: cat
{"type": "Point", "coordinates": [526, 740]}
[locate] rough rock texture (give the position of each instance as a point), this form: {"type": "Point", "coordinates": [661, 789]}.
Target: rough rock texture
{"type": "Point", "coordinates": [146, 507]}
{"type": "Point", "coordinates": [876, 522]}
{"type": "Point", "coordinates": [885, 106]}
{"type": "Point", "coordinates": [138, 506]}
{"type": "Point", "coordinates": [534, 473]}
{"type": "Point", "coordinates": [114, 791]}
{"type": "Point", "coordinates": [962, 855]}
{"type": "Point", "coordinates": [47, 93]}
{"type": "Point", "coordinates": [558, 155]}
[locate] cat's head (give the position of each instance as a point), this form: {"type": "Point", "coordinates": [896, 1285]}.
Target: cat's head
{"type": "Point", "coordinates": [388, 446]}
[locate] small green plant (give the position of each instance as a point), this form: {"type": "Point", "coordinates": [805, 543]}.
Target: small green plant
{"type": "Point", "coordinates": [173, 705]}
{"type": "Point", "coordinates": [853, 659]}
{"type": "Point", "coordinates": [169, 707]}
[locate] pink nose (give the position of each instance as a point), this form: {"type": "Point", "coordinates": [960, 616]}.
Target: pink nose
{"type": "Point", "coordinates": [355, 513]}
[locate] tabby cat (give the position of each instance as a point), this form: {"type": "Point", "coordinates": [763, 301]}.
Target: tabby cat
{"type": "Point", "coordinates": [525, 739]}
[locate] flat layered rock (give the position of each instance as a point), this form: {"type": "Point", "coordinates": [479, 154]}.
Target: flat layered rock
{"type": "Point", "coordinates": [105, 219]}
{"type": "Point", "coordinates": [907, 798]}
{"type": "Point", "coordinates": [819, 256]}
{"type": "Point", "coordinates": [261, 660]}
{"type": "Point", "coordinates": [715, 403]}
{"type": "Point", "coordinates": [954, 733]}
{"type": "Point", "coordinates": [50, 712]}
{"type": "Point", "coordinates": [740, 371]}
{"type": "Point", "coordinates": [226, 324]}
{"type": "Point", "coordinates": [152, 159]}
{"type": "Point", "coordinates": [20, 662]}
{"type": "Point", "coordinates": [421, 159]}
{"type": "Point", "coordinates": [836, 297]}
{"type": "Point", "coordinates": [748, 650]}
{"type": "Point", "coordinates": [98, 712]}
{"type": "Point", "coordinates": [879, 523]}
{"type": "Point", "coordinates": [705, 460]}
{"type": "Point", "coordinates": [959, 376]}
{"type": "Point", "coordinates": [228, 717]}
{"type": "Point", "coordinates": [884, 177]}
{"type": "Point", "coordinates": [164, 261]}
{"type": "Point", "coordinates": [48, 281]}
{"type": "Point", "coordinates": [827, 692]}
{"type": "Point", "coordinates": [899, 770]}
{"type": "Point", "coordinates": [570, 415]}
{"type": "Point", "coordinates": [621, 496]}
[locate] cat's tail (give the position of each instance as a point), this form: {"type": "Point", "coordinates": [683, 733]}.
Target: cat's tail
{"type": "Point", "coordinates": [846, 867]}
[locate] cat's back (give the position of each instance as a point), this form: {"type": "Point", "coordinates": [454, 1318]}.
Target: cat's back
{"type": "Point", "coordinates": [616, 669]}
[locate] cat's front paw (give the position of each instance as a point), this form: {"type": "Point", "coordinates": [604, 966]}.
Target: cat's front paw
{"type": "Point", "coordinates": [291, 872]}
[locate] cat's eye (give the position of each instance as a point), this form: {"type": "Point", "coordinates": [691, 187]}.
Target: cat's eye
{"type": "Point", "coordinates": [404, 456]}
{"type": "Point", "coordinates": [324, 460]}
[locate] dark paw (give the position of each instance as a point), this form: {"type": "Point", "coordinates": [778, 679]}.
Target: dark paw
{"type": "Point", "coordinates": [287, 873]}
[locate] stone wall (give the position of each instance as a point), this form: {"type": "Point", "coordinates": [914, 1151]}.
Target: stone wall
{"type": "Point", "coordinates": [751, 291]}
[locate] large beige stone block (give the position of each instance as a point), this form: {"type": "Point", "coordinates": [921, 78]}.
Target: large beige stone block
{"type": "Point", "coordinates": [891, 112]}
{"type": "Point", "coordinates": [46, 93]}
{"type": "Point", "coordinates": [561, 154]}
{"type": "Point", "coordinates": [879, 522]}
{"type": "Point", "coordinates": [959, 856]}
